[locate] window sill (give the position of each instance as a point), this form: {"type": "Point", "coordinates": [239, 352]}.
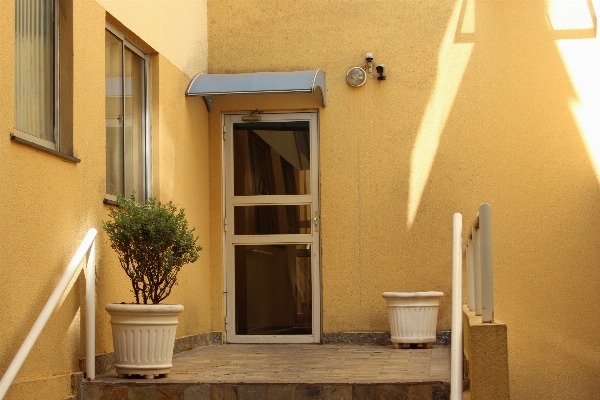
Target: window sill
{"type": "Point", "coordinates": [64, 156]}
{"type": "Point", "coordinates": [110, 202]}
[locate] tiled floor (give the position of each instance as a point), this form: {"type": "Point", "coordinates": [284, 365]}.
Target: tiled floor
{"type": "Point", "coordinates": [352, 370]}
{"type": "Point", "coordinates": [312, 364]}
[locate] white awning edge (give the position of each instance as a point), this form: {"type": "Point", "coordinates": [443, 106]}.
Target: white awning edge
{"type": "Point", "coordinates": [207, 85]}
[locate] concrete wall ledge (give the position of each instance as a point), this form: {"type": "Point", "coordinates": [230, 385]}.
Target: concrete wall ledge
{"type": "Point", "coordinates": [105, 362]}
{"type": "Point", "coordinates": [486, 355]}
{"type": "Point", "coordinates": [63, 386]}
{"type": "Point", "coordinates": [373, 338]}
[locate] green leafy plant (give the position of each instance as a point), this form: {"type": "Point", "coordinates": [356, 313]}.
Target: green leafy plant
{"type": "Point", "coordinates": [153, 242]}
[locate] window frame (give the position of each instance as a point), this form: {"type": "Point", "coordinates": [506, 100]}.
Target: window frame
{"type": "Point", "coordinates": [27, 138]}
{"type": "Point", "coordinates": [147, 126]}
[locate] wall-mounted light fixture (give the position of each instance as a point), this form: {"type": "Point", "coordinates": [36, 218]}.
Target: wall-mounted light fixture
{"type": "Point", "coordinates": [357, 76]}
{"type": "Point", "coordinates": [380, 68]}
{"type": "Point", "coordinates": [369, 58]}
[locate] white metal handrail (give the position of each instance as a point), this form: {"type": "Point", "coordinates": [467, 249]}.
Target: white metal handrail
{"type": "Point", "coordinates": [456, 342]}
{"type": "Point", "coordinates": [87, 246]}
{"type": "Point", "coordinates": [480, 279]}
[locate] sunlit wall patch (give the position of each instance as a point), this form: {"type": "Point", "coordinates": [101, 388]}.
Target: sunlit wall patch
{"type": "Point", "coordinates": [568, 15]}
{"type": "Point", "coordinates": [452, 63]}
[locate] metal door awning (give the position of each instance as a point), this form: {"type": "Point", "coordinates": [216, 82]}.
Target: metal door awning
{"type": "Point", "coordinates": [207, 85]}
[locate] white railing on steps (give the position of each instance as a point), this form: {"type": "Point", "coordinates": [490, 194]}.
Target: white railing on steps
{"type": "Point", "coordinates": [456, 341]}
{"type": "Point", "coordinates": [480, 279]}
{"type": "Point", "coordinates": [87, 246]}
{"type": "Point", "coordinates": [480, 285]}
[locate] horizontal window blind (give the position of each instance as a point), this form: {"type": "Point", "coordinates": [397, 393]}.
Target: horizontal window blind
{"type": "Point", "coordinates": [35, 68]}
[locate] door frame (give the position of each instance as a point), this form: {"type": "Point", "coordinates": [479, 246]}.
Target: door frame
{"type": "Point", "coordinates": [228, 119]}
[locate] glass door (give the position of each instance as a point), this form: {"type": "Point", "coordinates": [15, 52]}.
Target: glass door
{"type": "Point", "coordinates": [272, 228]}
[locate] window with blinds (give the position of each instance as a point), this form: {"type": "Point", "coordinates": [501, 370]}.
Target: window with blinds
{"type": "Point", "coordinates": [36, 71]}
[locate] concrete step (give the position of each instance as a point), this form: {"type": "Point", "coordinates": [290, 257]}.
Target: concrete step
{"type": "Point", "coordinates": [290, 372]}
{"type": "Point", "coordinates": [140, 389]}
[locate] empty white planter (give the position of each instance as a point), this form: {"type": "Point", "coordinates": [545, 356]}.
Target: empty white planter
{"type": "Point", "coordinates": [413, 316]}
{"type": "Point", "coordinates": [143, 337]}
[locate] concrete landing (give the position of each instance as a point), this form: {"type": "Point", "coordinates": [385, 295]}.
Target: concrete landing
{"type": "Point", "coordinates": [290, 372]}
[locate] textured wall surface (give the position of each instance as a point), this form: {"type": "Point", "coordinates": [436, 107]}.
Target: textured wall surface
{"type": "Point", "coordinates": [484, 101]}
{"type": "Point", "coordinates": [486, 351]}
{"type": "Point", "coordinates": [182, 176]}
{"type": "Point", "coordinates": [174, 28]}
{"type": "Point", "coordinates": [48, 204]}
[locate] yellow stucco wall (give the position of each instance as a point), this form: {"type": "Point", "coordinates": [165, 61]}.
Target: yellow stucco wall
{"type": "Point", "coordinates": [174, 28]}
{"type": "Point", "coordinates": [486, 355]}
{"type": "Point", "coordinates": [48, 204]}
{"type": "Point", "coordinates": [483, 102]}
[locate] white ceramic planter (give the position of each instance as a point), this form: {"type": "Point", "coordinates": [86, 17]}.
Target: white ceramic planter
{"type": "Point", "coordinates": [143, 337]}
{"type": "Point", "coordinates": [413, 317]}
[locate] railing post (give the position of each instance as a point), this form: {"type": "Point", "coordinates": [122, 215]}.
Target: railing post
{"type": "Point", "coordinates": [90, 304]}
{"type": "Point", "coordinates": [476, 270]}
{"type": "Point", "coordinates": [487, 278]}
{"type": "Point", "coordinates": [456, 340]}
{"type": "Point", "coordinates": [470, 276]}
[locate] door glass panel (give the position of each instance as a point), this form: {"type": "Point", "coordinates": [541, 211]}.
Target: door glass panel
{"type": "Point", "coordinates": [272, 220]}
{"type": "Point", "coordinates": [271, 158]}
{"type": "Point", "coordinates": [273, 289]}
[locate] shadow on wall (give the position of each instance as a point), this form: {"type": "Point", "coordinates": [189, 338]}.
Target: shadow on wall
{"type": "Point", "coordinates": [366, 133]}
{"type": "Point", "coordinates": [67, 344]}
{"type": "Point", "coordinates": [477, 107]}
{"type": "Point", "coordinates": [512, 139]}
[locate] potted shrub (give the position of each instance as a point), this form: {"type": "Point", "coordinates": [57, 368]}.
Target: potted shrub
{"type": "Point", "coordinates": [153, 242]}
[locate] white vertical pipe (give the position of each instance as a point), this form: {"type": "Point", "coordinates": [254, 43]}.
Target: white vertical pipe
{"type": "Point", "coordinates": [456, 349]}
{"type": "Point", "coordinates": [470, 276]}
{"type": "Point", "coordinates": [42, 319]}
{"type": "Point", "coordinates": [487, 277]}
{"type": "Point", "coordinates": [477, 270]}
{"type": "Point", "coordinates": [90, 303]}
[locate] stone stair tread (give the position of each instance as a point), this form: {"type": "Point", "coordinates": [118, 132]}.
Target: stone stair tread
{"type": "Point", "coordinates": [291, 372]}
